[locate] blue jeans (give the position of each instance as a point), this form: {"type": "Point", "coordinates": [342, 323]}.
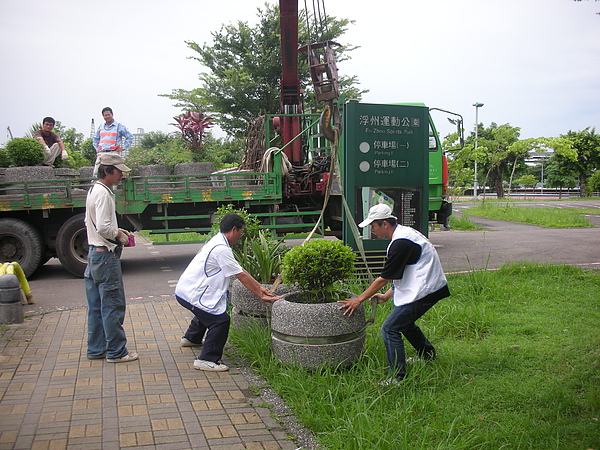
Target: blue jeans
{"type": "Point", "coordinates": [106, 303]}
{"type": "Point", "coordinates": [401, 321]}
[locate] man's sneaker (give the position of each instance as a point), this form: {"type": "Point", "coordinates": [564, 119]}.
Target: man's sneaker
{"type": "Point", "coordinates": [210, 366]}
{"type": "Point", "coordinates": [414, 359]}
{"type": "Point", "coordinates": [100, 356]}
{"type": "Point", "coordinates": [128, 357]}
{"type": "Point", "coordinates": [185, 342]}
{"type": "Point", "coordinates": [390, 382]}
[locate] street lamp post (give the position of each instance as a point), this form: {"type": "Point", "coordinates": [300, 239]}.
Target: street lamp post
{"type": "Point", "coordinates": [477, 105]}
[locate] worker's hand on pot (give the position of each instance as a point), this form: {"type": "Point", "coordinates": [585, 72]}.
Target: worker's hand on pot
{"type": "Point", "coordinates": [350, 304]}
{"type": "Point", "coordinates": [269, 298]}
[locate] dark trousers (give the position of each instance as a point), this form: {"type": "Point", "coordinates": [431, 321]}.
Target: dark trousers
{"type": "Point", "coordinates": [401, 321]}
{"type": "Point", "coordinates": [218, 331]}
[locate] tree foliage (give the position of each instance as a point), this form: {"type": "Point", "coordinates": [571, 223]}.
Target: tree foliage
{"type": "Point", "coordinates": [585, 157]}
{"type": "Point", "coordinates": [244, 69]}
{"type": "Point", "coordinates": [192, 128]}
{"type": "Point", "coordinates": [560, 176]}
{"type": "Point", "coordinates": [500, 155]}
{"type": "Point", "coordinates": [159, 148]}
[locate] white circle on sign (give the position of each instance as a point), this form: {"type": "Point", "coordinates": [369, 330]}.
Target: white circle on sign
{"type": "Point", "coordinates": [364, 166]}
{"type": "Point", "coordinates": [364, 147]}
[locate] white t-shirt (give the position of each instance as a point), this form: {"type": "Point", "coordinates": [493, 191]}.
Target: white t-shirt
{"type": "Point", "coordinates": [205, 282]}
{"type": "Point", "coordinates": [100, 216]}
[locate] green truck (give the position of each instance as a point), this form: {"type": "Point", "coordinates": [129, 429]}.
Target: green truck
{"type": "Point", "coordinates": [43, 218]}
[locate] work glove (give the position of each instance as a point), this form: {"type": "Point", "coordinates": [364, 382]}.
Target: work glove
{"type": "Point", "coordinates": [123, 237]}
{"type": "Point", "coordinates": [64, 155]}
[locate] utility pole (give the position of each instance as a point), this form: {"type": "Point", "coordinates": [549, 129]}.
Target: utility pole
{"type": "Point", "coordinates": [477, 105]}
{"type": "Point", "coordinates": [93, 129]}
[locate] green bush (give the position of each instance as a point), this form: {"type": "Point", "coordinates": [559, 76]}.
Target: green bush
{"type": "Point", "coordinates": [250, 230]}
{"type": "Point", "coordinates": [4, 158]}
{"type": "Point", "coordinates": [318, 264]}
{"type": "Point", "coordinates": [170, 153]}
{"type": "Point", "coordinates": [25, 152]}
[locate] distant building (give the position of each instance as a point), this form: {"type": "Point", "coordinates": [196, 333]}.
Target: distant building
{"type": "Point", "coordinates": [536, 158]}
{"type": "Point", "coordinates": [137, 139]}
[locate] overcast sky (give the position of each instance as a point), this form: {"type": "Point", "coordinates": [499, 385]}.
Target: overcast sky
{"type": "Point", "coordinates": [533, 63]}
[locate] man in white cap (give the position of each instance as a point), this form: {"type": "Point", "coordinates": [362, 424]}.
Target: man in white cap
{"type": "Point", "coordinates": [103, 279]}
{"type": "Point", "coordinates": [418, 283]}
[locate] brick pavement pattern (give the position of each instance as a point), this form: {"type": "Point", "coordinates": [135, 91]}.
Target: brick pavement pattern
{"type": "Point", "coordinates": [53, 397]}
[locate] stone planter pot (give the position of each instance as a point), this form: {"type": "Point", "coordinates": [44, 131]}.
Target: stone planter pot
{"type": "Point", "coordinates": [152, 170]}
{"type": "Point", "coordinates": [201, 169]}
{"type": "Point", "coordinates": [316, 335]}
{"type": "Point", "coordinates": [18, 175]}
{"type": "Point", "coordinates": [240, 178]}
{"type": "Point", "coordinates": [156, 177]}
{"type": "Point", "coordinates": [248, 309]}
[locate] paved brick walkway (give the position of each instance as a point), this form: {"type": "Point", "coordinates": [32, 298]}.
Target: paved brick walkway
{"type": "Point", "coordinates": [53, 397]}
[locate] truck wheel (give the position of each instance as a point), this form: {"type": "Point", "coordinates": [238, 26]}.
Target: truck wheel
{"type": "Point", "coordinates": [72, 245]}
{"type": "Point", "coordinates": [21, 242]}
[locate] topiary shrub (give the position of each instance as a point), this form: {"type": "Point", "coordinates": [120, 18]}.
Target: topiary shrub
{"type": "Point", "coordinates": [25, 152]}
{"type": "Point", "coordinates": [316, 266]}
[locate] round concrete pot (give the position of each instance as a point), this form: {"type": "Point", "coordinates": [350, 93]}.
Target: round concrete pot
{"type": "Point", "coordinates": [248, 309]}
{"type": "Point", "coordinates": [316, 335]}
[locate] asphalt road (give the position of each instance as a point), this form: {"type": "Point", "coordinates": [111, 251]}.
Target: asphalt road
{"type": "Point", "coordinates": [151, 271]}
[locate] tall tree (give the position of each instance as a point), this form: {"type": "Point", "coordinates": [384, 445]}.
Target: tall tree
{"type": "Point", "coordinates": [500, 154]}
{"type": "Point", "coordinates": [586, 143]}
{"type": "Point", "coordinates": [244, 69]}
{"type": "Point", "coordinates": [559, 176]}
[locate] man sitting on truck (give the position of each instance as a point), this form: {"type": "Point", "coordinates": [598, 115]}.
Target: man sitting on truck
{"type": "Point", "coordinates": [52, 143]}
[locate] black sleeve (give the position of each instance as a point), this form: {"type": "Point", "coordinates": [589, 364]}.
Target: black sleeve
{"type": "Point", "coordinates": [402, 253]}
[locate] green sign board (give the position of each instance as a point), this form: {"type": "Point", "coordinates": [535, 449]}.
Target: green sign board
{"type": "Point", "coordinates": [385, 161]}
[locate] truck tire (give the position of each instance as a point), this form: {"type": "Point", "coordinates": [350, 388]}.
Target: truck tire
{"type": "Point", "coordinates": [72, 245]}
{"type": "Point", "coordinates": [21, 242]}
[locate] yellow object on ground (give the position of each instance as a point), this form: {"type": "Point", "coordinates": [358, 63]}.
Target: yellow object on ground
{"type": "Point", "coordinates": [14, 268]}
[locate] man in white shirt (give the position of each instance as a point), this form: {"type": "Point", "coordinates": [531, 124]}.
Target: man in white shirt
{"type": "Point", "coordinates": [203, 289]}
{"type": "Point", "coordinates": [103, 278]}
{"type": "Point", "coordinates": [418, 282]}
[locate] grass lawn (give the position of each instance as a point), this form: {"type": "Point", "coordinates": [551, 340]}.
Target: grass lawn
{"type": "Point", "coordinates": [518, 367]}
{"type": "Point", "coordinates": [542, 216]}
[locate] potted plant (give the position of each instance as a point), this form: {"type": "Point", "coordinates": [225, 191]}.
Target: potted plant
{"type": "Point", "coordinates": [261, 256]}
{"type": "Point", "coordinates": [308, 327]}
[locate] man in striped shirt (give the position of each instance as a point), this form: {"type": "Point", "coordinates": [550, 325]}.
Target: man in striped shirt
{"type": "Point", "coordinates": [110, 135]}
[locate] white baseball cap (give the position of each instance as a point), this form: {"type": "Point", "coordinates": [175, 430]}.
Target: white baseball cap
{"type": "Point", "coordinates": [378, 212]}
